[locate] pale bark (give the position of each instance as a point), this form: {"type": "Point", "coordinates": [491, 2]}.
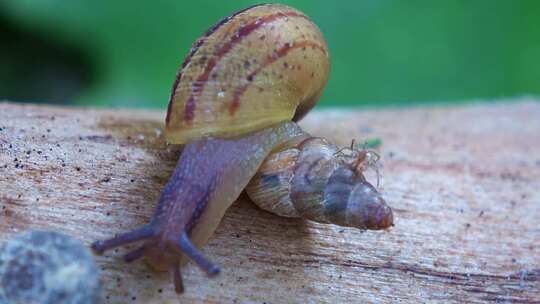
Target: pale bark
{"type": "Point", "coordinates": [463, 182]}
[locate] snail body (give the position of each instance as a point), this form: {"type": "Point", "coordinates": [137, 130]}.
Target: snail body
{"type": "Point", "coordinates": [234, 102]}
{"type": "Point", "coordinates": [209, 177]}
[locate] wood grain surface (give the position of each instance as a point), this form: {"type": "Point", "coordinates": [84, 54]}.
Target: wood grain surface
{"type": "Point", "coordinates": [464, 183]}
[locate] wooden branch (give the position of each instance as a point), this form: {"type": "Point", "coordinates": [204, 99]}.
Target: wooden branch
{"type": "Point", "coordinates": [463, 181]}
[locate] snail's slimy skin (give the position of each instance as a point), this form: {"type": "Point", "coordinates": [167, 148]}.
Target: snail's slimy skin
{"type": "Point", "coordinates": [254, 69]}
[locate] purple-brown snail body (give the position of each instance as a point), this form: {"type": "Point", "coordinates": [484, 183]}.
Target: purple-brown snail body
{"type": "Point", "coordinates": [234, 105]}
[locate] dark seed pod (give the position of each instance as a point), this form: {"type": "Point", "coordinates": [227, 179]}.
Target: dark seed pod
{"type": "Point", "coordinates": [47, 268]}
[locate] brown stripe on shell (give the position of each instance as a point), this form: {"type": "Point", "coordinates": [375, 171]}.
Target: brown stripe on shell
{"type": "Point", "coordinates": [280, 53]}
{"type": "Point", "coordinates": [242, 32]}
{"type": "Point", "coordinates": [196, 46]}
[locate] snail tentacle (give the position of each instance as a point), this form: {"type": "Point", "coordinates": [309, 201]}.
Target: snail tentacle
{"type": "Point", "coordinates": [185, 246]}
{"type": "Point", "coordinates": [134, 254]}
{"type": "Point", "coordinates": [136, 235]}
{"type": "Point", "coordinates": [177, 278]}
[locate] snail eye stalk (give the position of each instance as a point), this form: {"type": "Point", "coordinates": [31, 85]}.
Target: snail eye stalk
{"type": "Point", "coordinates": [187, 247]}
{"type": "Point", "coordinates": [140, 234]}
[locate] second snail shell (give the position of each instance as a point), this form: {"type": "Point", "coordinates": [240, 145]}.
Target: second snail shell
{"type": "Point", "coordinates": [316, 180]}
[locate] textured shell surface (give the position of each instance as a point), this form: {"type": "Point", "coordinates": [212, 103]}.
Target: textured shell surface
{"type": "Point", "coordinates": [260, 66]}
{"type": "Point", "coordinates": [272, 187]}
{"type": "Point", "coordinates": [316, 180]}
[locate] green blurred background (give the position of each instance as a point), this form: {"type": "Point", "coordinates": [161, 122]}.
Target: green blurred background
{"type": "Point", "coordinates": [126, 53]}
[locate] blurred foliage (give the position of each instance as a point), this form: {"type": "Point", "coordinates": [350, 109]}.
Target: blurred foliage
{"type": "Point", "coordinates": [383, 51]}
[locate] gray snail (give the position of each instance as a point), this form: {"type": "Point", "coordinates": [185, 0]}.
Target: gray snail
{"type": "Point", "coordinates": [234, 105]}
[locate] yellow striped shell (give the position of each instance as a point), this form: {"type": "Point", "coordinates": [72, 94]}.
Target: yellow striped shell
{"type": "Point", "coordinates": [260, 66]}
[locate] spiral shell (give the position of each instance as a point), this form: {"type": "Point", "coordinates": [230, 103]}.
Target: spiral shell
{"type": "Point", "coordinates": [260, 66]}
{"type": "Point", "coordinates": [315, 180]}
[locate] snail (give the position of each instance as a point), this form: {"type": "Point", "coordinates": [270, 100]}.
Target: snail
{"type": "Point", "coordinates": [235, 101]}
{"type": "Point", "coordinates": [318, 181]}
